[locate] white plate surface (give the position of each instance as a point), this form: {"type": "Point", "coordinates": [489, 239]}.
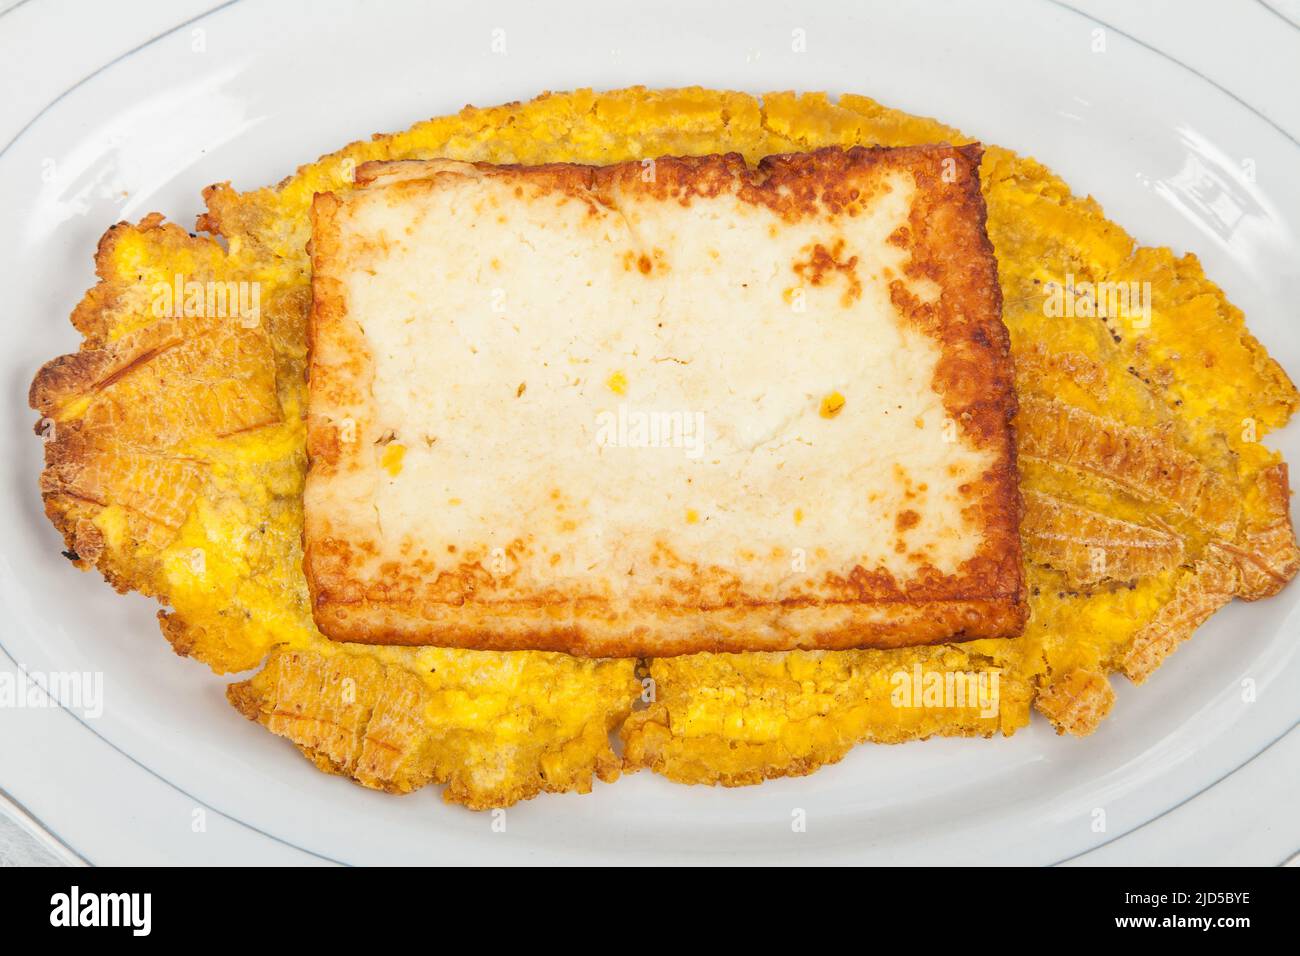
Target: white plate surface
{"type": "Point", "coordinates": [1159, 144]}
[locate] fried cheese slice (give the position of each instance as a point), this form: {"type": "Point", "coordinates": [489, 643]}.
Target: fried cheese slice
{"type": "Point", "coordinates": [656, 409]}
{"type": "Point", "coordinates": [1099, 603]}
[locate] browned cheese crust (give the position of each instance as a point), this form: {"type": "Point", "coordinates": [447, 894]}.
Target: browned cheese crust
{"type": "Point", "coordinates": [375, 586]}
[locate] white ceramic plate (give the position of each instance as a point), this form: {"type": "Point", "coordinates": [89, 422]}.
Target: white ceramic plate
{"type": "Point", "coordinates": [277, 84]}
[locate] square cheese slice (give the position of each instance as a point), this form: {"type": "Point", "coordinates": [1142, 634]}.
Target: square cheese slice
{"type": "Point", "coordinates": [662, 407]}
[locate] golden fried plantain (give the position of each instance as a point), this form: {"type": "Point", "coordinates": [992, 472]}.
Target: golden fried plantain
{"type": "Point", "coordinates": [174, 464]}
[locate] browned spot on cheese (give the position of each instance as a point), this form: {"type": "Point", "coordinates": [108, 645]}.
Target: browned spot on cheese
{"type": "Point", "coordinates": [824, 263]}
{"type": "Point", "coordinates": [907, 519]}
